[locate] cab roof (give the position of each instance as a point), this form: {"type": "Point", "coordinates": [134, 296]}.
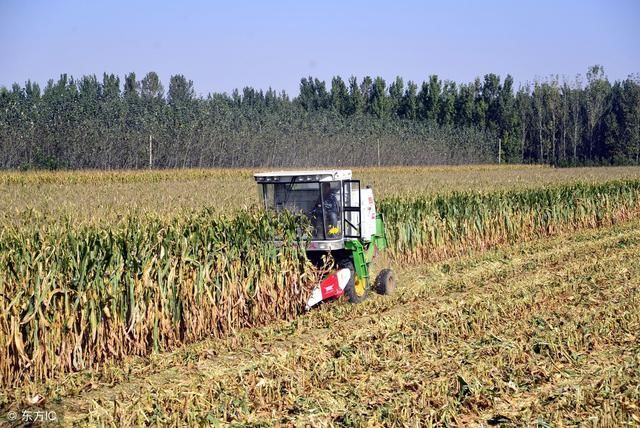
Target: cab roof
{"type": "Point", "coordinates": [306, 175]}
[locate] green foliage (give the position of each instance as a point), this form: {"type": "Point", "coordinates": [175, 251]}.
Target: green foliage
{"type": "Point", "coordinates": [88, 123]}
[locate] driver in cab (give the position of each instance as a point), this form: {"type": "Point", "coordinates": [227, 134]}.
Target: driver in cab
{"type": "Point", "coordinates": [330, 208]}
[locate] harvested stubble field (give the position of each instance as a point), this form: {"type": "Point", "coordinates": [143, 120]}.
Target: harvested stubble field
{"type": "Point", "coordinates": [544, 333]}
{"type": "Point", "coordinates": [538, 333]}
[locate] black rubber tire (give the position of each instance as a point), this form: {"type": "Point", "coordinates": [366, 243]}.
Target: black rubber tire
{"type": "Point", "coordinates": [350, 289]}
{"type": "Point", "coordinates": [385, 282]}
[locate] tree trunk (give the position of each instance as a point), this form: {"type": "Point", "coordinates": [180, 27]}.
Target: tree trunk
{"type": "Point", "coordinates": [553, 139]}
{"type": "Point", "coordinates": [540, 138]}
{"type": "Point", "coordinates": [575, 131]}
{"type": "Point", "coordinates": [564, 141]}
{"type": "Point", "coordinates": [523, 139]}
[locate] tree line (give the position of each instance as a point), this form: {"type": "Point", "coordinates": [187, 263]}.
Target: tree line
{"type": "Point", "coordinates": [109, 124]}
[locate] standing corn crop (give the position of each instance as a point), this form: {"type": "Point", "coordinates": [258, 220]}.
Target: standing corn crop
{"type": "Point", "coordinates": [73, 297]}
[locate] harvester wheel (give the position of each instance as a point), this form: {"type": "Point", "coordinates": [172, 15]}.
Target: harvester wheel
{"type": "Point", "coordinates": [356, 289]}
{"type": "Point", "coordinates": [385, 282]}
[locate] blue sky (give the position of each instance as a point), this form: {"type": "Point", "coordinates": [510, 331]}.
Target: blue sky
{"type": "Point", "coordinates": [221, 45]}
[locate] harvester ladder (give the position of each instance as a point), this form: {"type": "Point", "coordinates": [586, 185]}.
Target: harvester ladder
{"type": "Point", "coordinates": [359, 259]}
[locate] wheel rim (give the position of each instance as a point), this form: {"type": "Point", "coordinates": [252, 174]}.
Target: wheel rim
{"type": "Point", "coordinates": [359, 286]}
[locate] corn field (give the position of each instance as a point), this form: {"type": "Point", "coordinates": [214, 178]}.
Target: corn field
{"type": "Point", "coordinates": [170, 193]}
{"type": "Point", "coordinates": [76, 296]}
{"type": "Point", "coordinates": [429, 228]}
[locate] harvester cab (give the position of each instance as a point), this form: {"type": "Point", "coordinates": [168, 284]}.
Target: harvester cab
{"type": "Point", "coordinates": [344, 223]}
